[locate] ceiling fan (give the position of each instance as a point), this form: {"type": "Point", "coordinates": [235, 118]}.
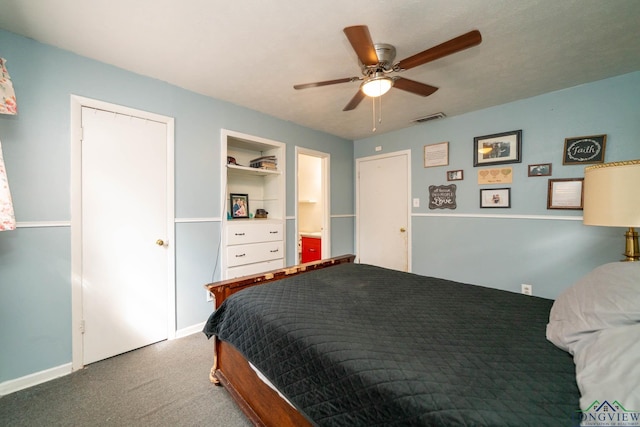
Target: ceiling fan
{"type": "Point", "coordinates": [376, 64]}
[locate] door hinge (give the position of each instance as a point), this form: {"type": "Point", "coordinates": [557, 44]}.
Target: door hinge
{"type": "Point", "coordinates": [82, 326]}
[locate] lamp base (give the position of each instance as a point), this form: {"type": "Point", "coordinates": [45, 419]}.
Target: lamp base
{"type": "Point", "coordinates": [632, 253]}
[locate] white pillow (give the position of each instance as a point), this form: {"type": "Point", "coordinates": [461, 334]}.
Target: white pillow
{"type": "Point", "coordinates": [609, 296]}
{"type": "Point", "coordinates": [607, 368]}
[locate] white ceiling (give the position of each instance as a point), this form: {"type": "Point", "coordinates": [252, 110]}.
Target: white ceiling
{"type": "Point", "coordinates": [252, 52]}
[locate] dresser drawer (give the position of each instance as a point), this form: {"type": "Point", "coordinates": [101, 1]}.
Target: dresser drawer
{"type": "Point", "coordinates": [260, 267]}
{"type": "Point", "coordinates": [254, 232]}
{"type": "Point", "coordinates": [257, 252]}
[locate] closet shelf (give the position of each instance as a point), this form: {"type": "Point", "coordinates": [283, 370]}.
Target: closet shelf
{"type": "Point", "coordinates": [251, 171]}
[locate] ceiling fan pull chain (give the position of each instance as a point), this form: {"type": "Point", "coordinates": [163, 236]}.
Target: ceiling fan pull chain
{"type": "Point", "coordinates": [379, 109]}
{"type": "Point", "coordinates": [373, 102]}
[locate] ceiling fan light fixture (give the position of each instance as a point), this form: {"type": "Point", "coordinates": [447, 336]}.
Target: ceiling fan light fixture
{"type": "Point", "coordinates": [377, 85]}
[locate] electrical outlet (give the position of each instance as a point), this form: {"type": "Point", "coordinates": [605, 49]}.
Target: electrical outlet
{"type": "Point", "coordinates": [527, 289]}
{"type": "Point", "coordinates": [209, 296]}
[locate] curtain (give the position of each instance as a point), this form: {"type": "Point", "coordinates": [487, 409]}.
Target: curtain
{"type": "Point", "coordinates": [8, 103]}
{"type": "Point", "coordinates": [7, 218]}
{"type": "Point", "coordinates": [7, 106]}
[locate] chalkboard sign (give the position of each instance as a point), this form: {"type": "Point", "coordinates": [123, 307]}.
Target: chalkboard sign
{"type": "Point", "coordinates": [442, 196]}
{"type": "Point", "coordinates": [584, 149]}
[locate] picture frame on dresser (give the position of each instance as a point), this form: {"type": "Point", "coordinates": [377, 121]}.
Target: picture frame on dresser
{"type": "Point", "coordinates": [239, 205]}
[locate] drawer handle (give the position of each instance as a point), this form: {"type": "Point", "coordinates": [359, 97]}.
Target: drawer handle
{"type": "Point", "coordinates": [240, 255]}
{"type": "Point", "coordinates": [311, 250]}
{"type": "Point", "coordinates": [274, 251]}
{"type": "Point", "coordinates": [239, 234]}
{"type": "Point", "coordinates": [273, 232]}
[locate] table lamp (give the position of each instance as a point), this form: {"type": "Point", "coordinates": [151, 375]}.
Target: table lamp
{"type": "Point", "coordinates": [612, 198]}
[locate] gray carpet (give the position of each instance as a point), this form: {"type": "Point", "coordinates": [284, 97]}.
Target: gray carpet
{"type": "Point", "coordinates": [165, 384]}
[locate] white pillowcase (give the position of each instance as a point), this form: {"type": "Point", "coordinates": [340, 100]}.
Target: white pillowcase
{"type": "Point", "coordinates": [607, 297]}
{"type": "Point", "coordinates": [607, 367]}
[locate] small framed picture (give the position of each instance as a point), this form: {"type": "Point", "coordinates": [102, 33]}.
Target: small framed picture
{"type": "Point", "coordinates": [239, 205]}
{"type": "Point", "coordinates": [495, 198]}
{"type": "Point", "coordinates": [436, 154]}
{"type": "Point", "coordinates": [566, 193]}
{"type": "Point", "coordinates": [542, 169]}
{"type": "Point", "coordinates": [497, 149]}
{"type": "Point", "coordinates": [582, 150]}
{"type": "Point", "coordinates": [455, 175]}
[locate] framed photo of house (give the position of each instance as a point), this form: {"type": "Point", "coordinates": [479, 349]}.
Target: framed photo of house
{"type": "Point", "coordinates": [566, 193]}
{"type": "Point", "coordinates": [457, 175]}
{"type": "Point", "coordinates": [495, 198]}
{"type": "Point", "coordinates": [436, 154]}
{"type": "Point", "coordinates": [541, 169]}
{"type": "Point", "coordinates": [239, 205]}
{"type": "Point", "coordinates": [497, 149]}
{"type": "Point", "coordinates": [582, 150]}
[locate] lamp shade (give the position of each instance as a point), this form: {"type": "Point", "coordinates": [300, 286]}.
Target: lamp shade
{"type": "Point", "coordinates": [612, 194]}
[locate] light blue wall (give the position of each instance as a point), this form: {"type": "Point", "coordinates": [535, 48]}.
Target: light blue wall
{"type": "Point", "coordinates": [35, 265]}
{"type": "Point", "coordinates": [527, 243]}
{"type": "Point", "coordinates": [498, 251]}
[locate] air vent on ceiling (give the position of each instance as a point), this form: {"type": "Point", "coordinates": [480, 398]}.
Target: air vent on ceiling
{"type": "Point", "coordinates": [430, 117]}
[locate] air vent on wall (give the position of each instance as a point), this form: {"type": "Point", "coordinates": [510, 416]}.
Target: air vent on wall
{"type": "Point", "coordinates": [430, 117]}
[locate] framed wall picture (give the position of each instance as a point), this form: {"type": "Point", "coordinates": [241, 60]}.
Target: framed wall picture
{"type": "Point", "coordinates": [436, 154]}
{"type": "Point", "coordinates": [497, 149]}
{"type": "Point", "coordinates": [495, 198]}
{"type": "Point", "coordinates": [566, 193]}
{"type": "Point", "coordinates": [541, 169]}
{"type": "Point", "coordinates": [582, 150]}
{"type": "Point", "coordinates": [455, 175]}
{"type": "Point", "coordinates": [239, 205]}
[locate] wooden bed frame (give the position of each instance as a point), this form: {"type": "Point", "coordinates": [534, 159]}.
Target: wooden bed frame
{"type": "Point", "coordinates": [260, 403]}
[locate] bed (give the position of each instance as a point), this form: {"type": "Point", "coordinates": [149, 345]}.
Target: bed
{"type": "Point", "coordinates": [333, 343]}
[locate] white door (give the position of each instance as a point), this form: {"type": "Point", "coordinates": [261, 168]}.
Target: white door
{"type": "Point", "coordinates": [124, 233]}
{"type": "Point", "coordinates": [382, 211]}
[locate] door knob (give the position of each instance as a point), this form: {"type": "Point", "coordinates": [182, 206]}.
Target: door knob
{"type": "Point", "coordinates": [160, 242]}
{"type": "Point", "coordinates": [402, 229]}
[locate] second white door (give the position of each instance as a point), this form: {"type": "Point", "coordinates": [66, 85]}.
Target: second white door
{"type": "Point", "coordinates": [382, 194]}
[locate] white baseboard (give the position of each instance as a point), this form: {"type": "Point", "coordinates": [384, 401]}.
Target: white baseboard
{"type": "Point", "coordinates": [193, 329]}
{"type": "Point", "coordinates": [30, 380]}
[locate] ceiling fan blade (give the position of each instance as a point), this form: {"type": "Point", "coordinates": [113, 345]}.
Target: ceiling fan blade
{"type": "Point", "coordinates": [361, 42]}
{"type": "Point", "coordinates": [326, 83]}
{"type": "Point", "coordinates": [465, 41]}
{"type": "Point", "coordinates": [359, 96]}
{"type": "Point", "coordinates": [414, 86]}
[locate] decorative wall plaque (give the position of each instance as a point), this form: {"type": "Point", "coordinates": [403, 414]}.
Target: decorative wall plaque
{"type": "Point", "coordinates": [442, 196]}
{"type": "Point", "coordinates": [584, 150]}
{"type": "Point", "coordinates": [502, 175]}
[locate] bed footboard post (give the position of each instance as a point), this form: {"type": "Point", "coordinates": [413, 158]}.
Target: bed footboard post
{"type": "Point", "coordinates": [212, 372]}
